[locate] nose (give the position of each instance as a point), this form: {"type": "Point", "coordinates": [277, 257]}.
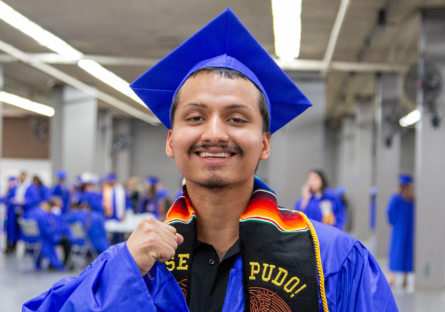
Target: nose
{"type": "Point", "coordinates": [215, 131]}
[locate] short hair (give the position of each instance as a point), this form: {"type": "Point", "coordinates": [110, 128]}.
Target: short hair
{"type": "Point", "coordinates": [231, 74]}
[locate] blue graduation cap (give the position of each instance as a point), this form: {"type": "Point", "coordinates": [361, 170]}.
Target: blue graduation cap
{"type": "Point", "coordinates": [224, 42]}
{"type": "Point", "coordinates": [111, 177]}
{"type": "Point", "coordinates": [61, 174]}
{"type": "Point", "coordinates": [12, 179]}
{"type": "Point", "coordinates": [405, 179]}
{"type": "Point", "coordinates": [152, 179]}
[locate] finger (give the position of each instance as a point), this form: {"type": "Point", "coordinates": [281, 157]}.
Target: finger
{"type": "Point", "coordinates": [167, 239]}
{"type": "Point", "coordinates": [167, 231]}
{"type": "Point", "coordinates": [165, 253]}
{"type": "Point", "coordinates": [170, 228]}
{"type": "Point", "coordinates": [179, 238]}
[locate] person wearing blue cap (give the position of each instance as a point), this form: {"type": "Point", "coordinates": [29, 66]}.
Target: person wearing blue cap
{"type": "Point", "coordinates": [62, 190]}
{"type": "Point", "coordinates": [225, 244]}
{"type": "Point", "coordinates": [148, 203]}
{"type": "Point", "coordinates": [12, 228]}
{"type": "Point", "coordinates": [401, 207]}
{"type": "Point", "coordinates": [321, 203]}
{"type": "Point", "coordinates": [86, 192]}
{"type": "Point", "coordinates": [114, 198]}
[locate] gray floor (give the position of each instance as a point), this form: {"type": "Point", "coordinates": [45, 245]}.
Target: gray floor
{"type": "Point", "coordinates": [19, 283]}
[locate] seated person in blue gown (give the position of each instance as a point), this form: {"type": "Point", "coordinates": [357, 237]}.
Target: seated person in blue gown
{"type": "Point", "coordinates": [49, 234]}
{"type": "Point", "coordinates": [93, 222]}
{"type": "Point", "coordinates": [225, 245]}
{"type": "Point", "coordinates": [62, 190]}
{"type": "Point", "coordinates": [401, 217]}
{"type": "Point", "coordinates": [321, 203]}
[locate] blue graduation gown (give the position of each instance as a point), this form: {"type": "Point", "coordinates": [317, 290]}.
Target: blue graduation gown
{"type": "Point", "coordinates": [92, 198]}
{"type": "Point", "coordinates": [148, 205]}
{"type": "Point", "coordinates": [49, 236]}
{"type": "Point", "coordinates": [353, 281]}
{"type": "Point", "coordinates": [33, 197]}
{"type": "Point", "coordinates": [63, 192]}
{"type": "Point", "coordinates": [94, 223]}
{"type": "Point", "coordinates": [401, 217]}
{"type": "Point", "coordinates": [11, 221]}
{"type": "Point", "coordinates": [313, 210]}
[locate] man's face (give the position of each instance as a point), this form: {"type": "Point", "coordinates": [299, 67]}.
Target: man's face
{"type": "Point", "coordinates": [217, 139]}
{"type": "Point", "coordinates": [22, 177]}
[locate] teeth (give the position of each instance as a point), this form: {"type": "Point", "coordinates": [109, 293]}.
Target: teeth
{"type": "Point", "coordinates": [214, 155]}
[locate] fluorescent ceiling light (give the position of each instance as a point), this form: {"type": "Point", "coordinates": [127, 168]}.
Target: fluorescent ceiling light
{"type": "Point", "coordinates": [287, 28]}
{"type": "Point", "coordinates": [44, 37]}
{"type": "Point", "coordinates": [59, 46]}
{"type": "Point", "coordinates": [109, 78]}
{"type": "Point", "coordinates": [26, 104]}
{"type": "Point", "coordinates": [410, 119]}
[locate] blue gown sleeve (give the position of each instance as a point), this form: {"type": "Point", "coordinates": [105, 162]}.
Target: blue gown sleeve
{"type": "Point", "coordinates": [113, 283]}
{"type": "Point", "coordinates": [359, 285]}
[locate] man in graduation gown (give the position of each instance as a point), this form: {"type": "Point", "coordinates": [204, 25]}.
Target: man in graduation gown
{"type": "Point", "coordinates": [226, 246]}
{"type": "Point", "coordinates": [60, 189]}
{"type": "Point", "coordinates": [27, 195]}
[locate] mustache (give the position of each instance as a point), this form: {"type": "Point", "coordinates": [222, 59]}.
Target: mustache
{"type": "Point", "coordinates": [226, 147]}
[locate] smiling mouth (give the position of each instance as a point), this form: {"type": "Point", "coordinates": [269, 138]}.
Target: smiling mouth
{"type": "Point", "coordinates": [214, 155]}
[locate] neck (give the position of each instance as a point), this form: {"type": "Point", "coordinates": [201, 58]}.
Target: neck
{"type": "Point", "coordinates": [218, 212]}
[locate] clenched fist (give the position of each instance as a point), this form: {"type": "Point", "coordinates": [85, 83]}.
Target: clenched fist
{"type": "Point", "coordinates": [153, 240]}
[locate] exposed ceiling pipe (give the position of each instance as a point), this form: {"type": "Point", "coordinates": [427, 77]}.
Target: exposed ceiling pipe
{"type": "Point", "coordinates": [78, 84]}
{"type": "Point", "coordinates": [369, 41]}
{"type": "Point", "coordinates": [334, 35]}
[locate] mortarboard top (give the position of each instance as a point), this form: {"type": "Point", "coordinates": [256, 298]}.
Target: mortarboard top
{"type": "Point", "coordinates": [162, 194]}
{"type": "Point", "coordinates": [152, 179]}
{"type": "Point", "coordinates": [111, 177]}
{"type": "Point", "coordinates": [405, 179]}
{"type": "Point", "coordinates": [12, 179]}
{"type": "Point", "coordinates": [224, 42]}
{"type": "Point", "coordinates": [61, 174]}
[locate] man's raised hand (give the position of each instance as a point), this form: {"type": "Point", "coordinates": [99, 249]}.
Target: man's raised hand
{"type": "Point", "coordinates": [153, 240]}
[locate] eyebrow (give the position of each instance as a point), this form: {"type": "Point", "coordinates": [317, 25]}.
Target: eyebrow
{"type": "Point", "coordinates": [232, 106]}
{"type": "Point", "coordinates": [197, 104]}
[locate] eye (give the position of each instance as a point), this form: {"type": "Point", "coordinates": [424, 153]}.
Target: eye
{"type": "Point", "coordinates": [237, 120]}
{"type": "Point", "coordinates": [195, 118]}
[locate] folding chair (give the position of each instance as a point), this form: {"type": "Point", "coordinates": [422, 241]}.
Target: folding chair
{"type": "Point", "coordinates": [31, 233]}
{"type": "Point", "coordinates": [77, 249]}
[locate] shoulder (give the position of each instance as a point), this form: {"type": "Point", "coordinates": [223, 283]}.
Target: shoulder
{"type": "Point", "coordinates": [335, 246]}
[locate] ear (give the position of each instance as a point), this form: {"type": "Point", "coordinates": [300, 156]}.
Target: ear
{"type": "Point", "coordinates": [169, 145]}
{"type": "Point", "coordinates": [265, 151]}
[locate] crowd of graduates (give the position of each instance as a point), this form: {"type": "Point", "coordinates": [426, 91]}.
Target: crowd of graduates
{"type": "Point", "coordinates": [89, 202]}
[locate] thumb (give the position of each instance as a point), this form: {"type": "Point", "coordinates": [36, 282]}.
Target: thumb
{"type": "Point", "coordinates": [179, 238]}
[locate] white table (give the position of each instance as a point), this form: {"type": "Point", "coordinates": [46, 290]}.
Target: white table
{"type": "Point", "coordinates": [129, 224]}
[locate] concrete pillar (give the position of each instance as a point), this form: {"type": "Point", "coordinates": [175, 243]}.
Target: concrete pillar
{"type": "Point", "coordinates": [430, 167]}
{"type": "Point", "coordinates": [364, 133]}
{"type": "Point", "coordinates": [56, 128]}
{"type": "Point", "coordinates": [104, 143]}
{"type": "Point", "coordinates": [122, 148]}
{"type": "Point", "coordinates": [299, 146]}
{"type": "Point", "coordinates": [389, 88]}
{"type": "Point", "coordinates": [2, 207]}
{"type": "Point", "coordinates": [73, 131]}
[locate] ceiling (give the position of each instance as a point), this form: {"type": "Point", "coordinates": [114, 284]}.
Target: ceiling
{"type": "Point", "coordinates": [151, 29]}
